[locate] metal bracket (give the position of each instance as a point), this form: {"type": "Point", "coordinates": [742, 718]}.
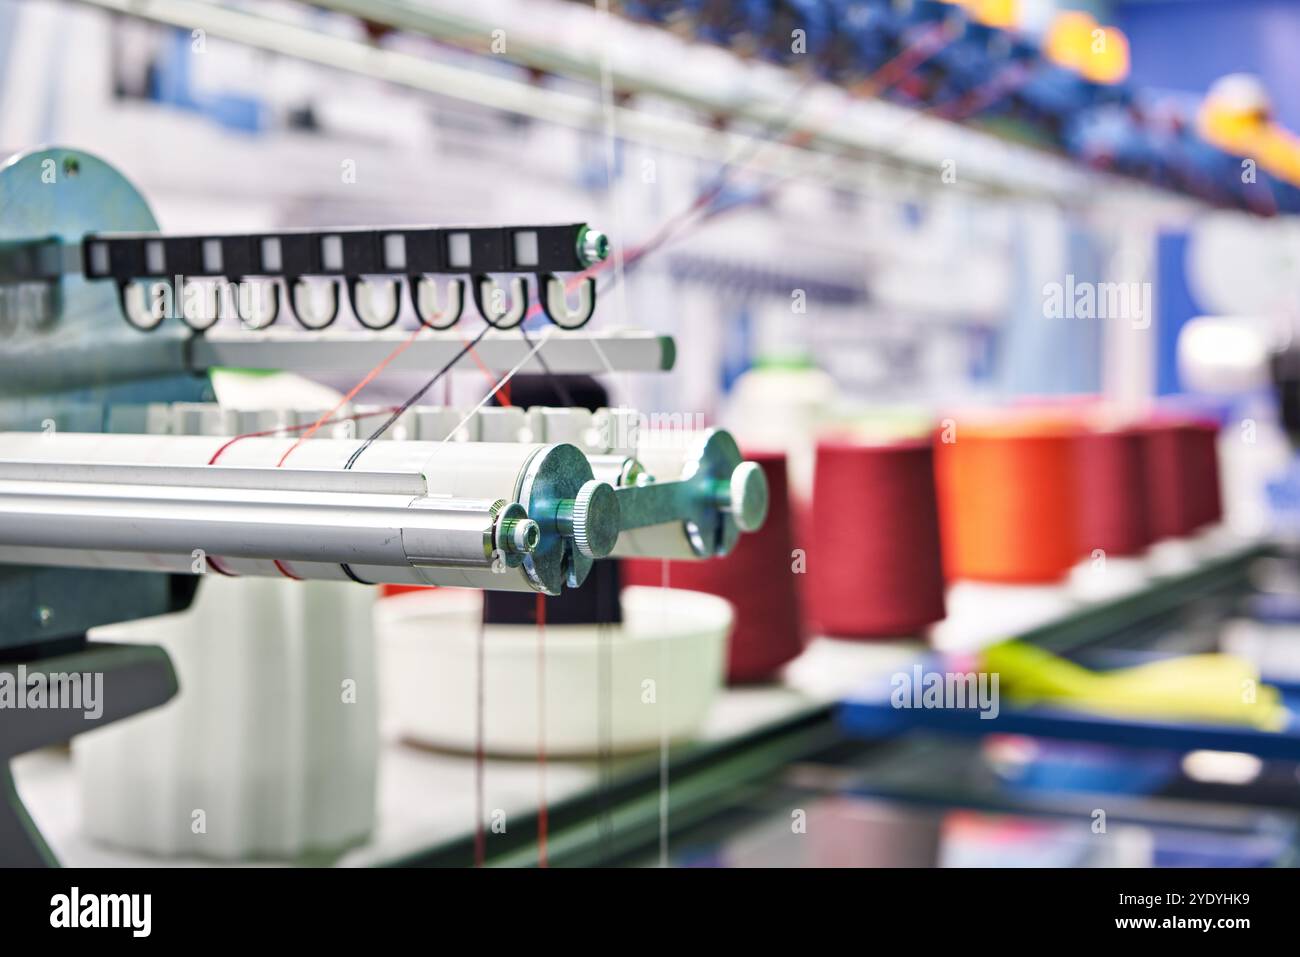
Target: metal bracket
{"type": "Point", "coordinates": [356, 257]}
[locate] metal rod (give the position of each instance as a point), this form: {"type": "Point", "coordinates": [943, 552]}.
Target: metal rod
{"type": "Point", "coordinates": [325, 527]}
{"type": "Point", "coordinates": [585, 352]}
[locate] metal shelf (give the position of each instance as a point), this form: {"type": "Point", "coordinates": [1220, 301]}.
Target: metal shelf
{"type": "Point", "coordinates": [599, 814]}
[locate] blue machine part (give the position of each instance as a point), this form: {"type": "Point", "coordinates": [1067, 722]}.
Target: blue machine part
{"type": "Point", "coordinates": [738, 348]}
{"type": "Point", "coordinates": [1174, 307]}
{"type": "Point", "coordinates": [969, 61]}
{"type": "Point", "coordinates": [172, 83]}
{"type": "Point", "coordinates": [869, 32]}
{"type": "Point", "coordinates": [1184, 847]}
{"type": "Point", "coordinates": [1067, 766]}
{"type": "Point", "coordinates": [872, 714]}
{"type": "Point", "coordinates": [652, 11]}
{"type": "Point", "coordinates": [816, 18]}
{"type": "Point", "coordinates": [1111, 137]}
{"type": "Point", "coordinates": [1280, 608]}
{"type": "Point", "coordinates": [716, 21]}
{"type": "Point", "coordinates": [981, 70]}
{"type": "Point", "coordinates": [78, 361]}
{"type": "Point", "coordinates": [758, 15]}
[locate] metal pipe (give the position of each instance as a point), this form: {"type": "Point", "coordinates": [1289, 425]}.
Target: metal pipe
{"type": "Point", "coordinates": [408, 507]}
{"type": "Point", "coordinates": [324, 527]}
{"type": "Point", "coordinates": [395, 517]}
{"type": "Point", "coordinates": [569, 352]}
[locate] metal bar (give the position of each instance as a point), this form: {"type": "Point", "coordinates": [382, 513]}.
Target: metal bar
{"type": "Point", "coordinates": [474, 33]}
{"type": "Point", "coordinates": [354, 481]}
{"type": "Point", "coordinates": [643, 506]}
{"type": "Point", "coordinates": [623, 351]}
{"type": "Point", "coordinates": [326, 527]}
{"type": "Point", "coordinates": [289, 254]}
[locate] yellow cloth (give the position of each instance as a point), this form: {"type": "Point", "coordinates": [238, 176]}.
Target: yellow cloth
{"type": "Point", "coordinates": [1210, 687]}
{"type": "Point", "coordinates": [1279, 153]}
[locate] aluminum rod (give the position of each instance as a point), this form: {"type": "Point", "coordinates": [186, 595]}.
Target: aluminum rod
{"type": "Point", "coordinates": [575, 352]}
{"type": "Point", "coordinates": [81, 498]}
{"type": "Point", "coordinates": [96, 495]}
{"type": "Point", "coordinates": [326, 527]}
{"type": "Point", "coordinates": [408, 484]}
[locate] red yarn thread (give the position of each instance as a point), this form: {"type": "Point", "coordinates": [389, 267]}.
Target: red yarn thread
{"type": "Point", "coordinates": [874, 563]}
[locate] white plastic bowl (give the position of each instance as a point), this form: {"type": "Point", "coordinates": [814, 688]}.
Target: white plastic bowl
{"type": "Point", "coordinates": [617, 688]}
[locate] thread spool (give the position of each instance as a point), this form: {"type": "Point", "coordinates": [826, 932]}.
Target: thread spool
{"type": "Point", "coordinates": [1207, 495]}
{"type": "Point", "coordinates": [1009, 501]}
{"type": "Point", "coordinates": [756, 578]}
{"type": "Point", "coordinates": [874, 563]}
{"type": "Point", "coordinates": [1113, 510]}
{"type": "Point", "coordinates": [1181, 476]}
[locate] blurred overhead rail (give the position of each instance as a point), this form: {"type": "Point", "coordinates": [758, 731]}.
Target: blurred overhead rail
{"type": "Point", "coordinates": [864, 145]}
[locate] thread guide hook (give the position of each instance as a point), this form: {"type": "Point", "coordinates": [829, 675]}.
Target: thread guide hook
{"type": "Point", "coordinates": [424, 300]}
{"type": "Point", "coordinates": [555, 301]}
{"type": "Point", "coordinates": [356, 259]}
{"type": "Point", "coordinates": [135, 306]}
{"type": "Point", "coordinates": [202, 310]}
{"type": "Point", "coordinates": [246, 307]}
{"type": "Point", "coordinates": [303, 301]}
{"type": "Point", "coordinates": [361, 296]}
{"type": "Point", "coordinates": [493, 305]}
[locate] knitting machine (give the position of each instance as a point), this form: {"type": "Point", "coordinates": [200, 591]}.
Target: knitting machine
{"type": "Point", "coordinates": [122, 482]}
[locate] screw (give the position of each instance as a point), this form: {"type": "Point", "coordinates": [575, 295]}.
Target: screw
{"type": "Point", "coordinates": [44, 615]}
{"type": "Point", "coordinates": [593, 246]}
{"type": "Point", "coordinates": [520, 535]}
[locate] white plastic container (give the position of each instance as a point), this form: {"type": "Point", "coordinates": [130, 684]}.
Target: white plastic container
{"type": "Point", "coordinates": [269, 750]}
{"type": "Point", "coordinates": [659, 671]}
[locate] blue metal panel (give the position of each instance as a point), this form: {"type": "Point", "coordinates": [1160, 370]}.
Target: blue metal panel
{"type": "Point", "coordinates": [1174, 307]}
{"type": "Point", "coordinates": [1186, 46]}
{"type": "Point", "coordinates": [874, 716]}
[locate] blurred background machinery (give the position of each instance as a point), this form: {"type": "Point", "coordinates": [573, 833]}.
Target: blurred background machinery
{"type": "Point", "coordinates": [995, 300]}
